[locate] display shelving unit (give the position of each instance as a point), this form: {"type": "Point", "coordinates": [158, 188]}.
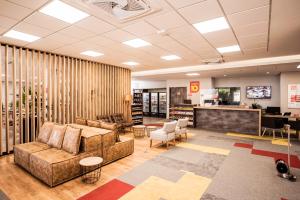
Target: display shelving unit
{"type": "Point", "coordinates": [181, 111]}
{"type": "Point", "coordinates": [137, 107]}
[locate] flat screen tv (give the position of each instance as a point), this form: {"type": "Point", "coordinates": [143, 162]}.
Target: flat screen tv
{"type": "Point", "coordinates": [258, 92]}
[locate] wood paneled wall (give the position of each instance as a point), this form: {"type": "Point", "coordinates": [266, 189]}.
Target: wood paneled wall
{"type": "Point", "coordinates": [54, 88]}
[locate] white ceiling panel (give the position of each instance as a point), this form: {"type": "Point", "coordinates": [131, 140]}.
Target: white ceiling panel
{"type": "Point", "coordinates": [221, 38]}
{"type": "Point", "coordinates": [202, 11]}
{"type": "Point", "coordinates": [45, 21]}
{"type": "Point", "coordinates": [254, 41]}
{"type": "Point", "coordinates": [45, 44]}
{"type": "Point", "coordinates": [95, 25]}
{"type": "Point", "coordinates": [249, 16]}
{"type": "Point", "coordinates": [12, 10]}
{"type": "Point", "coordinates": [12, 41]}
{"type": "Point", "coordinates": [251, 29]}
{"type": "Point", "coordinates": [119, 35]}
{"type": "Point", "coordinates": [167, 21]}
{"type": "Point", "coordinates": [63, 39]}
{"type": "Point", "coordinates": [76, 32]}
{"type": "Point", "coordinates": [100, 40]}
{"type": "Point", "coordinates": [32, 4]}
{"type": "Point", "coordinates": [32, 29]}
{"type": "Point", "coordinates": [234, 6]}
{"type": "Point", "coordinates": [7, 22]}
{"type": "Point", "coordinates": [183, 3]}
{"type": "Point", "coordinates": [140, 29]}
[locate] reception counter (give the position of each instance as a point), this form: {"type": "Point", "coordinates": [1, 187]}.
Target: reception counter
{"type": "Point", "coordinates": [228, 119]}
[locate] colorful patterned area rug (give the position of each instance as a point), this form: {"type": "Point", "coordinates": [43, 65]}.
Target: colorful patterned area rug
{"type": "Point", "coordinates": [209, 166]}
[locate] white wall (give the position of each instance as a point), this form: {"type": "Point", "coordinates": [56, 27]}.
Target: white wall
{"type": "Point", "coordinates": [285, 79]}
{"type": "Point", "coordinates": [147, 84]}
{"type": "Point", "coordinates": [242, 82]}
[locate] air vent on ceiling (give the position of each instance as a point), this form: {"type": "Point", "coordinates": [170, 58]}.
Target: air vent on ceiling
{"type": "Point", "coordinates": [122, 9]}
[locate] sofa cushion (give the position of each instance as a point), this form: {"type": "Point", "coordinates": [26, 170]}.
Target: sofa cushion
{"type": "Point", "coordinates": [22, 152]}
{"type": "Point", "coordinates": [57, 136]}
{"type": "Point", "coordinates": [94, 123]}
{"type": "Point", "coordinates": [81, 121]}
{"type": "Point", "coordinates": [109, 126]}
{"type": "Point", "coordinates": [71, 140]}
{"type": "Point", "coordinates": [45, 132]}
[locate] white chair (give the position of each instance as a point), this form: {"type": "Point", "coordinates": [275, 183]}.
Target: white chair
{"type": "Point", "coordinates": [181, 128]}
{"type": "Point", "coordinates": [165, 134]}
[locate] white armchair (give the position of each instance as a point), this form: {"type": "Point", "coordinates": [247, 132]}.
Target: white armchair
{"type": "Point", "coordinates": [181, 128]}
{"type": "Point", "coordinates": [165, 134]}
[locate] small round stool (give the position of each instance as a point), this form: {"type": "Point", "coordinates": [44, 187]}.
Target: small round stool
{"type": "Point", "coordinates": [90, 169]}
{"type": "Point", "coordinates": [139, 130]}
{"type": "Point", "coordinates": [151, 128]}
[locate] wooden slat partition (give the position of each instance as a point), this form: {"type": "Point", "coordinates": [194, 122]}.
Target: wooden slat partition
{"type": "Point", "coordinates": [42, 86]}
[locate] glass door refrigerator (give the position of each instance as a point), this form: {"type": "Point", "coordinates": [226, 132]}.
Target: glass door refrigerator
{"type": "Point", "coordinates": [162, 97]}
{"type": "Point", "coordinates": [146, 104]}
{"type": "Point", "coordinates": [154, 104]}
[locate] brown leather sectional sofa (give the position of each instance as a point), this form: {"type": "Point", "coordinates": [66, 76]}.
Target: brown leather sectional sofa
{"type": "Point", "coordinates": [54, 166]}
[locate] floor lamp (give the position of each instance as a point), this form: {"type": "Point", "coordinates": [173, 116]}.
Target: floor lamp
{"type": "Point", "coordinates": [127, 101]}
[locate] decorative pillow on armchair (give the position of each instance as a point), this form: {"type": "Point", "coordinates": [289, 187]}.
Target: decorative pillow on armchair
{"type": "Point", "coordinates": [45, 132]}
{"type": "Point", "coordinates": [80, 121]}
{"type": "Point", "coordinates": [94, 123]}
{"type": "Point", "coordinates": [71, 141]}
{"type": "Point", "coordinates": [57, 136]}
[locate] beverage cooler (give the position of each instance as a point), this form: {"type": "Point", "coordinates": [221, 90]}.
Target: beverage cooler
{"type": "Point", "coordinates": [146, 104]}
{"type": "Point", "coordinates": [162, 98]}
{"type": "Point", "coordinates": [154, 104]}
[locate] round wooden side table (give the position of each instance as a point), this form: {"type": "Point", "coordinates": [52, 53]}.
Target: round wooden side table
{"type": "Point", "coordinates": [150, 128]}
{"type": "Point", "coordinates": [90, 169]}
{"type": "Point", "coordinates": [139, 130]}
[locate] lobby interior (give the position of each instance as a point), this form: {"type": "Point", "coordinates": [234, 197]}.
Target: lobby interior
{"type": "Point", "coordinates": [150, 99]}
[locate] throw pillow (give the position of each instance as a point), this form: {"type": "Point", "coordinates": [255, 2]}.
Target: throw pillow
{"type": "Point", "coordinates": [94, 123]}
{"type": "Point", "coordinates": [80, 121]}
{"type": "Point", "coordinates": [72, 140]}
{"type": "Point", "coordinates": [45, 132]}
{"type": "Point", "coordinates": [57, 136]}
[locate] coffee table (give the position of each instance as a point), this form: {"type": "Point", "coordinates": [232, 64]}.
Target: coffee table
{"type": "Point", "coordinates": [90, 169]}
{"type": "Point", "coordinates": [139, 130]}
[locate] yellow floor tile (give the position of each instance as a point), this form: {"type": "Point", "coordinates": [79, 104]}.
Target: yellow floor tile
{"type": "Point", "coordinates": [189, 186]}
{"type": "Point", "coordinates": [283, 142]}
{"type": "Point", "coordinates": [206, 149]}
{"type": "Point", "coordinates": [249, 136]}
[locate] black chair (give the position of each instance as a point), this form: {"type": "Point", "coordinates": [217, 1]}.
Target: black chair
{"type": "Point", "coordinates": [272, 123]}
{"type": "Point", "coordinates": [295, 125]}
{"type": "Point", "coordinates": [287, 114]}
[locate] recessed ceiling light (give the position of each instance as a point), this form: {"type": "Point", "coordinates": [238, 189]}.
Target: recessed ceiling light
{"type": "Point", "coordinates": [212, 25]}
{"type": "Point", "coordinates": [92, 53]}
{"type": "Point", "coordinates": [298, 67]}
{"type": "Point", "coordinates": [130, 63]}
{"type": "Point", "coordinates": [268, 72]}
{"type": "Point", "coordinates": [225, 75]}
{"type": "Point", "coordinates": [136, 43]}
{"type": "Point", "coordinates": [63, 12]}
{"type": "Point", "coordinates": [192, 74]}
{"type": "Point", "coordinates": [170, 57]}
{"type": "Point", "coordinates": [228, 49]}
{"type": "Point", "coordinates": [21, 36]}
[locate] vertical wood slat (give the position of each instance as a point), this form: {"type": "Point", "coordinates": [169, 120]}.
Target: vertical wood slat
{"type": "Point", "coordinates": [54, 89]}
{"type": "Point", "coordinates": [67, 90]}
{"type": "Point", "coordinates": [63, 103]}
{"type": "Point", "coordinates": [14, 96]}
{"type": "Point", "coordinates": [6, 99]}
{"type": "Point", "coordinates": [75, 81]}
{"type": "Point", "coordinates": [58, 89]}
{"type": "Point", "coordinates": [1, 122]}
{"type": "Point", "coordinates": [46, 115]}
{"type": "Point", "coordinates": [32, 96]}
{"type": "Point", "coordinates": [72, 94]}
{"type": "Point", "coordinates": [20, 96]}
{"type": "Point", "coordinates": [27, 97]}
{"type": "Point", "coordinates": [38, 110]}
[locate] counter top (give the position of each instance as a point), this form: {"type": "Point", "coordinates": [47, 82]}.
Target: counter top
{"type": "Point", "coordinates": [227, 108]}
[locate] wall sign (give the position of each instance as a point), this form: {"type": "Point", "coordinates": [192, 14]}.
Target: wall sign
{"type": "Point", "coordinates": [294, 96]}
{"type": "Point", "coordinates": [194, 86]}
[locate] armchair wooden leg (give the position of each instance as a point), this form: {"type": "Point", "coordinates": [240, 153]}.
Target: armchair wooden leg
{"type": "Point", "coordinates": [150, 143]}
{"type": "Point", "coordinates": [167, 144]}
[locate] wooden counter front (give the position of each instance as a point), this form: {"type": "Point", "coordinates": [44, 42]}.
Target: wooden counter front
{"type": "Point", "coordinates": [228, 119]}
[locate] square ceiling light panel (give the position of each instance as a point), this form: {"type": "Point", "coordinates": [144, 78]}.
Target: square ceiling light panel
{"type": "Point", "coordinates": [63, 12]}
{"type": "Point", "coordinates": [212, 25]}
{"type": "Point", "coordinates": [131, 63]}
{"type": "Point", "coordinates": [21, 36]}
{"type": "Point", "coordinates": [229, 49]}
{"type": "Point", "coordinates": [136, 43]}
{"type": "Point", "coordinates": [170, 57]}
{"type": "Point", "coordinates": [92, 53]}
